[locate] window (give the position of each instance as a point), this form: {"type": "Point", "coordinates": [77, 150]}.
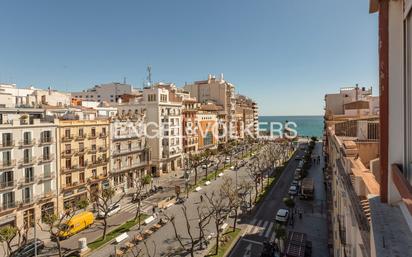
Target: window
{"type": "Point", "coordinates": [151, 97]}
{"type": "Point", "coordinates": [28, 175]}
{"type": "Point", "coordinates": [47, 170]}
{"type": "Point", "coordinates": [68, 163]}
{"type": "Point", "coordinates": [27, 155]}
{"type": "Point", "coordinates": [81, 133]}
{"type": "Point", "coordinates": [47, 186]}
{"type": "Point", "coordinates": [67, 133]}
{"type": "Point", "coordinates": [208, 139]}
{"type": "Point", "coordinates": [8, 200]}
{"type": "Point", "coordinates": [163, 98]}
{"type": "Point", "coordinates": [81, 177]}
{"type": "Point", "coordinates": [93, 132]}
{"type": "Point", "coordinates": [6, 158]}
{"type": "Point", "coordinates": [26, 138]}
{"type": "Point", "coordinates": [7, 139]}
{"type": "Point", "coordinates": [46, 153]}
{"type": "Point", "coordinates": [68, 180]}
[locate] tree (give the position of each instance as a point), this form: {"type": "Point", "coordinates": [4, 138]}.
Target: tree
{"type": "Point", "coordinates": [280, 235]}
{"type": "Point", "coordinates": [254, 173]}
{"type": "Point", "coordinates": [204, 218]}
{"type": "Point", "coordinates": [139, 184]}
{"type": "Point", "coordinates": [55, 225]}
{"type": "Point", "coordinates": [219, 161]}
{"type": "Point", "coordinates": [104, 201]}
{"type": "Point", "coordinates": [7, 234]}
{"type": "Point", "coordinates": [245, 193]}
{"type": "Point", "coordinates": [83, 203]}
{"type": "Point", "coordinates": [219, 209]}
{"type": "Point", "coordinates": [146, 180]}
{"type": "Point", "coordinates": [193, 242]}
{"type": "Point", "coordinates": [289, 202]}
{"type": "Point", "coordinates": [207, 157]}
{"type": "Point", "coordinates": [195, 160]}
{"type": "Point", "coordinates": [231, 193]}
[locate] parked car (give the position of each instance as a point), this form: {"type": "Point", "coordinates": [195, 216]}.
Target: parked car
{"type": "Point", "coordinates": [76, 224]}
{"type": "Point", "coordinates": [227, 160]}
{"type": "Point", "coordinates": [28, 249]}
{"type": "Point", "coordinates": [282, 216]}
{"type": "Point", "coordinates": [293, 190]}
{"type": "Point", "coordinates": [295, 183]}
{"type": "Point", "coordinates": [113, 209]}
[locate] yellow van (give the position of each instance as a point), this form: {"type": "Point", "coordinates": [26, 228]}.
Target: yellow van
{"type": "Point", "coordinates": [76, 224]}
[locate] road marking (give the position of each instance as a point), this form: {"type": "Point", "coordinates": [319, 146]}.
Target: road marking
{"type": "Point", "coordinates": [248, 252]}
{"type": "Point", "coordinates": [252, 241]}
{"type": "Point", "coordinates": [262, 230]}
{"type": "Point", "coordinates": [272, 238]}
{"type": "Point", "coordinates": [256, 228]}
{"type": "Point", "coordinates": [249, 227]}
{"type": "Point", "coordinates": [269, 229]}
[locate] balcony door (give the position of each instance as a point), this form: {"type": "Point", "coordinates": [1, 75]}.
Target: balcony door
{"type": "Point", "coordinates": [7, 139]}
{"type": "Point", "coordinates": [26, 138]}
{"type": "Point", "coordinates": [27, 194]}
{"type": "Point", "coordinates": [6, 158]}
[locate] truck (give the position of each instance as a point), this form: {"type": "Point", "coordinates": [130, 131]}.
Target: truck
{"type": "Point", "coordinates": [307, 188]}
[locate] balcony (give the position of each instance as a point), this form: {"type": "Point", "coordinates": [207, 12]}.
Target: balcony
{"type": "Point", "coordinates": [27, 181]}
{"type": "Point", "coordinates": [103, 149]}
{"type": "Point", "coordinates": [46, 158]}
{"type": "Point", "coordinates": [5, 185]}
{"type": "Point", "coordinates": [92, 136]}
{"type": "Point", "coordinates": [7, 164]}
{"type": "Point", "coordinates": [8, 206]}
{"type": "Point", "coordinates": [27, 201]}
{"type": "Point", "coordinates": [46, 177]}
{"type": "Point", "coordinates": [98, 162]}
{"type": "Point", "coordinates": [46, 196]}
{"type": "Point", "coordinates": [67, 138]}
{"type": "Point", "coordinates": [95, 179]}
{"type": "Point", "coordinates": [82, 151]}
{"type": "Point", "coordinates": [7, 144]}
{"type": "Point", "coordinates": [67, 153]}
{"type": "Point", "coordinates": [81, 137]}
{"type": "Point", "coordinates": [70, 186]}
{"type": "Point", "coordinates": [356, 207]}
{"type": "Point", "coordinates": [29, 161]}
{"type": "Point", "coordinates": [73, 168]}
{"type": "Point", "coordinates": [27, 143]}
{"type": "Point", "coordinates": [93, 150]}
{"type": "Point", "coordinates": [46, 141]}
{"type": "Point", "coordinates": [128, 167]}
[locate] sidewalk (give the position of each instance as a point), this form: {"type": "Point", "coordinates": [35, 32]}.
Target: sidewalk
{"type": "Point", "coordinates": [314, 218]}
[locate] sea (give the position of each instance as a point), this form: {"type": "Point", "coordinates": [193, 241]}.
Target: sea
{"type": "Point", "coordinates": [306, 126]}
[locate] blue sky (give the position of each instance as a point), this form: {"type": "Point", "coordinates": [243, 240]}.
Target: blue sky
{"type": "Point", "coordinates": [284, 54]}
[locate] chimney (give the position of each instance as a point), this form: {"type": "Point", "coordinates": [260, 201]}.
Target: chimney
{"type": "Point", "coordinates": [221, 76]}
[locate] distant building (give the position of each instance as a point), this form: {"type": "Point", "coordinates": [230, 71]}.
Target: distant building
{"type": "Point", "coordinates": [221, 93]}
{"type": "Point", "coordinates": [12, 96]}
{"type": "Point", "coordinates": [247, 114]}
{"type": "Point", "coordinates": [110, 92]}
{"type": "Point", "coordinates": [130, 153]}
{"type": "Point", "coordinates": [208, 137]}
{"type": "Point", "coordinates": [190, 125]}
{"type": "Point", "coordinates": [352, 101]}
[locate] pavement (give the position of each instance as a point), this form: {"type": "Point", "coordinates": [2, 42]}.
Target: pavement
{"type": "Point", "coordinates": [260, 227]}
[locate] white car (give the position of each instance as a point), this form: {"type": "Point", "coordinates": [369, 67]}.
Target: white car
{"type": "Point", "coordinates": [113, 209]}
{"type": "Point", "coordinates": [282, 216]}
{"type": "Point", "coordinates": [293, 190]}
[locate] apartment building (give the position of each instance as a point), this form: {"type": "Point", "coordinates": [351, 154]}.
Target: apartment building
{"type": "Point", "coordinates": [352, 101]}
{"type": "Point", "coordinates": [221, 93]}
{"type": "Point", "coordinates": [83, 158]}
{"type": "Point", "coordinates": [247, 115]}
{"type": "Point", "coordinates": [208, 136]}
{"type": "Point", "coordinates": [130, 155]}
{"type": "Point", "coordinates": [27, 167]}
{"type": "Point", "coordinates": [110, 92]}
{"type": "Point", "coordinates": [31, 97]}
{"type": "Point", "coordinates": [352, 150]}
{"type": "Point", "coordinates": [164, 128]}
{"type": "Point", "coordinates": [190, 125]}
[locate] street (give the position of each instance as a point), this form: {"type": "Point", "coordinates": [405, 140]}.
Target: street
{"type": "Point", "coordinates": [260, 227]}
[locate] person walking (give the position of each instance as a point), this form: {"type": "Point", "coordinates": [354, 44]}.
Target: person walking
{"type": "Point", "coordinates": [201, 198]}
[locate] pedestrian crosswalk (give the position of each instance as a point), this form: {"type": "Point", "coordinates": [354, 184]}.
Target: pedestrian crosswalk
{"type": "Point", "coordinates": [261, 228]}
{"type": "Point", "coordinates": [132, 207]}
